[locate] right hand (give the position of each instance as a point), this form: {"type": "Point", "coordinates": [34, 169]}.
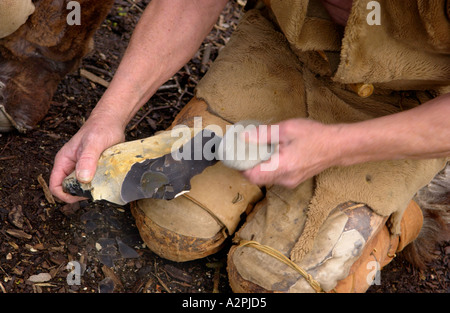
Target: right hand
{"type": "Point", "coordinates": [83, 151]}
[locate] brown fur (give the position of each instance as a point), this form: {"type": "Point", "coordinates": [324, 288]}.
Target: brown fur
{"type": "Point", "coordinates": [434, 200]}
{"type": "Point", "coordinates": [35, 58]}
{"type": "Point", "coordinates": [410, 50]}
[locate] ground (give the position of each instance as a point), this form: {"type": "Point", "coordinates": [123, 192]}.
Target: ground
{"type": "Point", "coordinates": [41, 237]}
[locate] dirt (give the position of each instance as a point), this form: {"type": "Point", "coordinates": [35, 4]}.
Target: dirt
{"type": "Point", "coordinates": [43, 243]}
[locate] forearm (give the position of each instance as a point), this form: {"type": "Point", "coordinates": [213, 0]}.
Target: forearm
{"type": "Point", "coordinates": [419, 133]}
{"type": "Point", "coordinates": [166, 37]}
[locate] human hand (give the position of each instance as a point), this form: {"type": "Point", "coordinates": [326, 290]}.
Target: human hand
{"type": "Point", "coordinates": [82, 152]}
{"type": "Point", "coordinates": [305, 148]}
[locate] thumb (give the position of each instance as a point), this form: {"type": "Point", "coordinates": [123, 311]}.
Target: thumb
{"type": "Point", "coordinates": [87, 164]}
{"type": "Point", "coordinates": [263, 134]}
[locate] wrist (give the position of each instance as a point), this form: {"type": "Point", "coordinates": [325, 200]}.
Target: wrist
{"type": "Point", "coordinates": [348, 143]}
{"type": "Point", "coordinates": [107, 116]}
{"type": "Point", "coordinates": [365, 141]}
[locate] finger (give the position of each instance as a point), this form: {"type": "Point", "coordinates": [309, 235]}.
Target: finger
{"type": "Point", "coordinates": [255, 176]}
{"type": "Point", "coordinates": [265, 173]}
{"type": "Point", "coordinates": [87, 163]}
{"type": "Point", "coordinates": [65, 197]}
{"type": "Point", "coordinates": [61, 169]}
{"type": "Point", "coordinates": [279, 133]}
{"type": "Point", "coordinates": [262, 134]}
{"type": "Point", "coordinates": [272, 172]}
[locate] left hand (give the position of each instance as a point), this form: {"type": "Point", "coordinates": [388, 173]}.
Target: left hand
{"type": "Point", "coordinates": [305, 148]}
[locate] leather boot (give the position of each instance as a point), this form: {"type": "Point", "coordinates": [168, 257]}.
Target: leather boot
{"type": "Point", "coordinates": [351, 247]}
{"type": "Point", "coordinates": [196, 223]}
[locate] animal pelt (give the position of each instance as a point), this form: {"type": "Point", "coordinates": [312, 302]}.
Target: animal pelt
{"type": "Point", "coordinates": [48, 33]}
{"type": "Point", "coordinates": [409, 50]}
{"type": "Point", "coordinates": [278, 87]}
{"type": "Point", "coordinates": [13, 14]}
{"type": "Point", "coordinates": [35, 58]}
{"type": "Point", "coordinates": [434, 200]}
